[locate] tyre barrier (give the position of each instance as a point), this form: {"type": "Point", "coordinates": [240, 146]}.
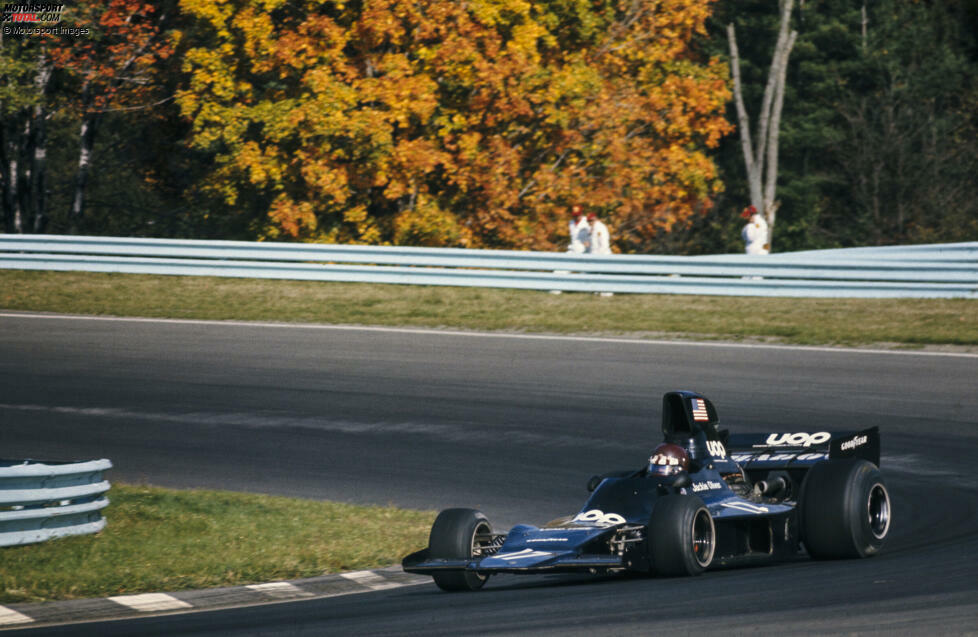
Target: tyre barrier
{"type": "Point", "coordinates": [44, 500]}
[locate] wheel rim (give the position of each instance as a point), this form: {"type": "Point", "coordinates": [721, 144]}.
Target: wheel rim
{"type": "Point", "coordinates": [878, 508]}
{"type": "Point", "coordinates": [703, 538]}
{"type": "Point", "coordinates": [481, 540]}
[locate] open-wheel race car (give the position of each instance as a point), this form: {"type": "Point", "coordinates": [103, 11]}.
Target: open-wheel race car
{"type": "Point", "coordinates": [707, 499]}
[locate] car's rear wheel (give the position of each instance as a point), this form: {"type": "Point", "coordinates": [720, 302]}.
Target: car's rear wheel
{"type": "Point", "coordinates": [845, 509]}
{"type": "Point", "coordinates": [459, 534]}
{"type": "Point", "coordinates": [681, 536]}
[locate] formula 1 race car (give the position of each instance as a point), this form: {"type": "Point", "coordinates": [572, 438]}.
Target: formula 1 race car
{"type": "Point", "coordinates": [707, 499]}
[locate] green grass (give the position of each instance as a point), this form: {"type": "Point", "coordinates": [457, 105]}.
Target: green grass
{"type": "Point", "coordinates": [166, 540]}
{"type": "Point", "coordinates": [905, 322]}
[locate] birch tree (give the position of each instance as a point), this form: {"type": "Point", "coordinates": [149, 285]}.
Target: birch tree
{"type": "Point", "coordinates": [25, 74]}
{"type": "Point", "coordinates": [116, 70]}
{"type": "Point", "coordinates": [761, 153]}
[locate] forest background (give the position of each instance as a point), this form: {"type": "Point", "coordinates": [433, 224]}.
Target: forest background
{"type": "Point", "coordinates": [476, 124]}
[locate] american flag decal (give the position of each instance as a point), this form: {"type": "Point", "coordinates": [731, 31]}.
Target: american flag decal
{"type": "Point", "coordinates": [699, 410]}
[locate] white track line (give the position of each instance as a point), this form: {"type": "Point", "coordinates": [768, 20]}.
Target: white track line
{"type": "Point", "coordinates": [280, 590]}
{"type": "Point", "coordinates": [474, 334]}
{"type": "Point", "coordinates": [150, 602]}
{"type": "Point", "coordinates": [9, 617]}
{"type": "Point", "coordinates": [370, 579]}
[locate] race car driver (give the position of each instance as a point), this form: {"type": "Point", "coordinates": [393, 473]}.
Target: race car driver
{"type": "Point", "coordinates": [667, 460]}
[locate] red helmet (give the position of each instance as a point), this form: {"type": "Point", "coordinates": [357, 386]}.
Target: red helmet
{"type": "Point", "coordinates": [668, 460]}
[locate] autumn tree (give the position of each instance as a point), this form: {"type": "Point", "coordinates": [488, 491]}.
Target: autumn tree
{"type": "Point", "coordinates": [99, 58]}
{"type": "Point", "coordinates": [445, 123]}
{"type": "Point", "coordinates": [111, 69]}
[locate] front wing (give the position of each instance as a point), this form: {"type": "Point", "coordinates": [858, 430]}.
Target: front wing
{"type": "Point", "coordinates": [528, 549]}
{"type": "Point", "coordinates": [524, 561]}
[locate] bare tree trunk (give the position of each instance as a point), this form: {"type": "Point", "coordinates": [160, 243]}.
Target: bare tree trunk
{"type": "Point", "coordinates": [770, 206]}
{"type": "Point", "coordinates": [23, 210]}
{"type": "Point", "coordinates": [743, 121]}
{"type": "Point", "coordinates": [761, 157]}
{"type": "Point", "coordinates": [87, 143]}
{"type": "Point", "coordinates": [39, 171]}
{"type": "Point", "coordinates": [13, 179]}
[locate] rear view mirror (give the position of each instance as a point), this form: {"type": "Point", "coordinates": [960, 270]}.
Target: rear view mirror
{"type": "Point", "coordinates": [593, 483]}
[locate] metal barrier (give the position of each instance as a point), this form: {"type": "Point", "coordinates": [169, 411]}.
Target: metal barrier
{"type": "Point", "coordinates": [41, 500]}
{"type": "Point", "coordinates": [934, 271]}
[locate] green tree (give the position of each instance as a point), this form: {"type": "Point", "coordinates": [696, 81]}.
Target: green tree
{"type": "Point", "coordinates": [877, 129]}
{"type": "Point", "coordinates": [25, 78]}
{"type": "Point", "coordinates": [908, 107]}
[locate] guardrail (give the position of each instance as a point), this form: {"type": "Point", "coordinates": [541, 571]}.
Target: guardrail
{"type": "Point", "coordinates": [934, 271]}
{"type": "Point", "coordinates": [44, 500]}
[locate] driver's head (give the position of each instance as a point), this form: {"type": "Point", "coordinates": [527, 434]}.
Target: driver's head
{"type": "Point", "coordinates": [668, 460]}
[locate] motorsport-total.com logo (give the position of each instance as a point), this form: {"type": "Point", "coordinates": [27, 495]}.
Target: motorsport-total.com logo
{"type": "Point", "coordinates": [36, 18]}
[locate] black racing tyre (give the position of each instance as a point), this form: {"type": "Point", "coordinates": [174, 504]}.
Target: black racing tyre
{"type": "Point", "coordinates": [681, 536]}
{"type": "Point", "coordinates": [844, 509]}
{"type": "Point", "coordinates": [458, 534]}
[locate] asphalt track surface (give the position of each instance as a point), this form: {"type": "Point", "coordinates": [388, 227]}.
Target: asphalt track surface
{"type": "Point", "coordinates": [513, 426]}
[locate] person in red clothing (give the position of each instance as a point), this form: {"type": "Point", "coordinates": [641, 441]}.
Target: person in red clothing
{"type": "Point", "coordinates": [755, 233]}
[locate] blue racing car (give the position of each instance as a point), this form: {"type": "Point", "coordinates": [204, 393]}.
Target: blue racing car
{"type": "Point", "coordinates": [706, 499]}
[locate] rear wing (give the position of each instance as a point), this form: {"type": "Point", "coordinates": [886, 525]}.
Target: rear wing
{"type": "Point", "coordinates": [802, 449]}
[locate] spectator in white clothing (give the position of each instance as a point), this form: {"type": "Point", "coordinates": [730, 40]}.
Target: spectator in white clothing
{"type": "Point", "coordinates": [600, 239]}
{"type": "Point", "coordinates": [755, 233]}
{"type": "Point", "coordinates": [580, 231]}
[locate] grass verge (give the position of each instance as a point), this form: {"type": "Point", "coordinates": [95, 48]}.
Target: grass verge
{"type": "Point", "coordinates": [907, 322]}
{"type": "Point", "coordinates": [167, 540]}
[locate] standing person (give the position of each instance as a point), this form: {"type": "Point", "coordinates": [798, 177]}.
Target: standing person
{"type": "Point", "coordinates": [580, 231]}
{"type": "Point", "coordinates": [600, 239]}
{"type": "Point", "coordinates": [755, 233]}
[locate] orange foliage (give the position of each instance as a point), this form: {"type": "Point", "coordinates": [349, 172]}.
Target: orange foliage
{"type": "Point", "coordinates": [114, 65]}
{"type": "Point", "coordinates": [447, 123]}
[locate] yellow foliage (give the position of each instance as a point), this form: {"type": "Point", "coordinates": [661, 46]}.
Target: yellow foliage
{"type": "Point", "coordinates": [425, 224]}
{"type": "Point", "coordinates": [447, 123]}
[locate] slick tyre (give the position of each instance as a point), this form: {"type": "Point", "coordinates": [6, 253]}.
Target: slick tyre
{"type": "Point", "coordinates": [844, 510]}
{"type": "Point", "coordinates": [681, 536]}
{"type": "Point", "coordinates": [457, 534]}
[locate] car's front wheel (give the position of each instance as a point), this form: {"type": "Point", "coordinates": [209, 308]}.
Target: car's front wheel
{"type": "Point", "coordinates": [681, 536]}
{"type": "Point", "coordinates": [459, 534]}
{"type": "Point", "coordinates": [845, 509]}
